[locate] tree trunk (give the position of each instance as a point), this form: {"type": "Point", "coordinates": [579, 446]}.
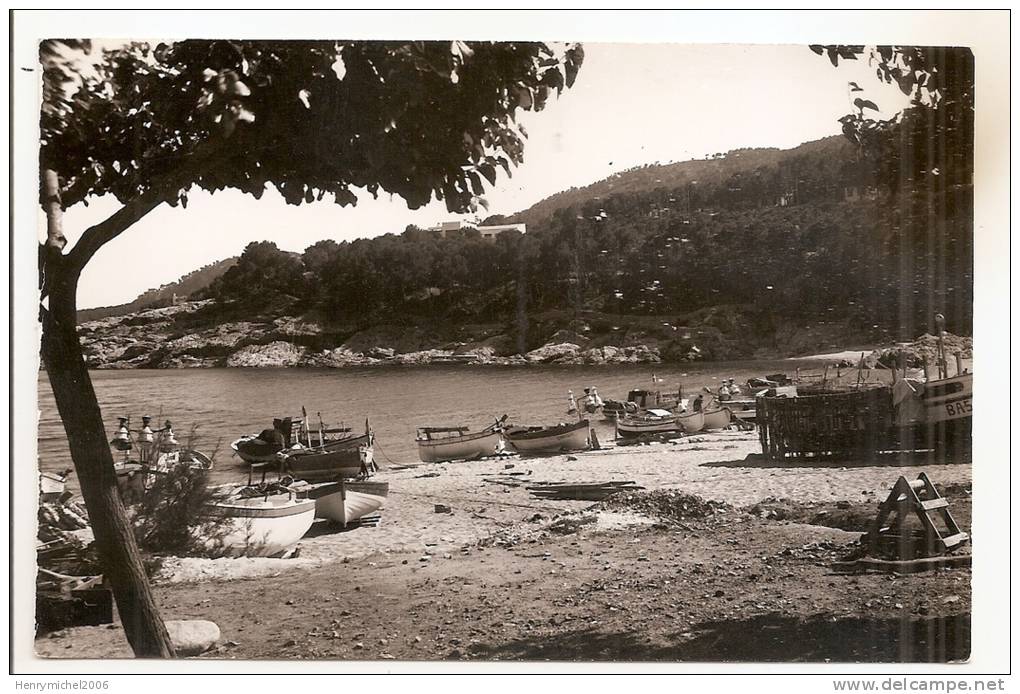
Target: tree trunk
{"type": "Point", "coordinates": [93, 462]}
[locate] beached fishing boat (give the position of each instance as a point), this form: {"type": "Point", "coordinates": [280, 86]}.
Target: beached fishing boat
{"type": "Point", "coordinates": [948, 399]}
{"type": "Point", "coordinates": [614, 409]}
{"type": "Point", "coordinates": [349, 457]}
{"type": "Point", "coordinates": [261, 520]}
{"type": "Point", "coordinates": [261, 448]}
{"type": "Point", "coordinates": [437, 444]}
{"type": "Point", "coordinates": [52, 485]}
{"type": "Point", "coordinates": [717, 418]}
{"type": "Point", "coordinates": [550, 439]}
{"type": "Point", "coordinates": [641, 400]}
{"type": "Point", "coordinates": [343, 502]}
{"type": "Point", "coordinates": [654, 421]}
{"type": "Point", "coordinates": [691, 422]}
{"type": "Point", "coordinates": [285, 434]}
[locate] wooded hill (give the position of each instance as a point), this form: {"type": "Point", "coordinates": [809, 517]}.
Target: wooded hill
{"type": "Point", "coordinates": [189, 284]}
{"type": "Point", "coordinates": [774, 240]}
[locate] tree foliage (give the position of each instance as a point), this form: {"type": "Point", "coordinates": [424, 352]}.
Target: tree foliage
{"type": "Point", "coordinates": [311, 118]}
{"type": "Point", "coordinates": [932, 141]}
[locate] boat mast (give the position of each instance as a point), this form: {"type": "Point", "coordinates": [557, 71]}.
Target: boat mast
{"type": "Point", "coordinates": [940, 324]}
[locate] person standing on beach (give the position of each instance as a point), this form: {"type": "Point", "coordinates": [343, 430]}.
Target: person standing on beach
{"type": "Point", "coordinates": [697, 403]}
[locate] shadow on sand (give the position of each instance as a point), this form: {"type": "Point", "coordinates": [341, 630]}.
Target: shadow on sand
{"type": "Point", "coordinates": [765, 638]}
{"type": "Point", "coordinates": [760, 462]}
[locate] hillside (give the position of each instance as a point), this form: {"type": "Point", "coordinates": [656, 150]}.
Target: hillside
{"type": "Point", "coordinates": [708, 173]}
{"type": "Point", "coordinates": [190, 284]}
{"type": "Point", "coordinates": [755, 253]}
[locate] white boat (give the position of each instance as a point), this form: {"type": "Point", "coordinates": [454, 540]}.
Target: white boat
{"type": "Point", "coordinates": [691, 422]}
{"type": "Point", "coordinates": [654, 421]}
{"type": "Point", "coordinates": [343, 502]}
{"type": "Point", "coordinates": [52, 485]}
{"type": "Point", "coordinates": [553, 439]}
{"type": "Point", "coordinates": [718, 418]}
{"type": "Point", "coordinates": [437, 444]}
{"type": "Point", "coordinates": [262, 521]}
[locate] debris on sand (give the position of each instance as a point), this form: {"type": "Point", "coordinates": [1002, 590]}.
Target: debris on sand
{"type": "Point", "coordinates": [572, 524]}
{"type": "Point", "coordinates": [581, 492]}
{"type": "Point", "coordinates": [668, 504]}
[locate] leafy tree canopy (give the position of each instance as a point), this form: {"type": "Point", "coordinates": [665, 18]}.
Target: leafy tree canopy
{"type": "Point", "coordinates": [311, 118]}
{"type": "Point", "coordinates": [931, 141]}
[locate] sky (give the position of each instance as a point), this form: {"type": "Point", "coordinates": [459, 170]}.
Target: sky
{"type": "Point", "coordinates": [632, 104]}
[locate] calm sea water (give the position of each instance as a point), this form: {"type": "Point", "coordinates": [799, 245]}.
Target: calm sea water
{"type": "Point", "coordinates": [225, 403]}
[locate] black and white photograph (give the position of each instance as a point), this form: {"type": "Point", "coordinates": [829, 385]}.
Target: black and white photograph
{"type": "Point", "coordinates": [466, 345]}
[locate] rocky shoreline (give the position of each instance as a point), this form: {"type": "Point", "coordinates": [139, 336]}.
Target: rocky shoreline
{"type": "Point", "coordinates": [165, 338]}
{"type": "Point", "coordinates": [150, 339]}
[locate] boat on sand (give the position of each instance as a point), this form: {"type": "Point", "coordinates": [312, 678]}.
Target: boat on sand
{"type": "Point", "coordinates": [344, 502]}
{"type": "Point", "coordinates": [350, 457]}
{"type": "Point", "coordinates": [691, 422]}
{"type": "Point", "coordinates": [654, 421]}
{"type": "Point", "coordinates": [437, 444]}
{"type": "Point", "coordinates": [717, 418]}
{"type": "Point", "coordinates": [550, 439]}
{"type": "Point", "coordinates": [260, 520]}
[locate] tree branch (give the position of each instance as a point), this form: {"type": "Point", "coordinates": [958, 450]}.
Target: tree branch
{"type": "Point", "coordinates": [97, 236]}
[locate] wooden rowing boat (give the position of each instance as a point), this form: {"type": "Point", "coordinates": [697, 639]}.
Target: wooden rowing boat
{"type": "Point", "coordinates": [350, 457]}
{"type": "Point", "coordinates": [437, 444]}
{"type": "Point", "coordinates": [718, 418]}
{"type": "Point", "coordinates": [343, 502]}
{"type": "Point", "coordinates": [652, 422]}
{"type": "Point", "coordinates": [691, 422]}
{"type": "Point", "coordinates": [550, 439]}
{"type": "Point", "coordinates": [261, 520]}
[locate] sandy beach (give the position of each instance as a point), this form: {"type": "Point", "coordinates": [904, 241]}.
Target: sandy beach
{"type": "Point", "coordinates": [478, 581]}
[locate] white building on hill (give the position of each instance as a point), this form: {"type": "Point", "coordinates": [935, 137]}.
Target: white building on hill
{"type": "Point", "coordinates": [491, 231]}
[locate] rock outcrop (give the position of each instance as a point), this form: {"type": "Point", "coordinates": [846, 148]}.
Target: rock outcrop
{"type": "Point", "coordinates": [564, 352]}
{"type": "Point", "coordinates": [275, 354]}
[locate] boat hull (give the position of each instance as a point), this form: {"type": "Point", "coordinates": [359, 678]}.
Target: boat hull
{"type": "Point", "coordinates": [717, 419]}
{"type": "Point", "coordinates": [629, 428]}
{"type": "Point", "coordinates": [948, 399]}
{"type": "Point", "coordinates": [343, 503]}
{"type": "Point", "coordinates": [466, 447]}
{"type": "Point", "coordinates": [262, 526]}
{"type": "Point", "coordinates": [333, 461]}
{"type": "Point", "coordinates": [556, 439]}
{"type": "Point", "coordinates": [692, 422]}
{"type": "Point", "coordinates": [252, 449]}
